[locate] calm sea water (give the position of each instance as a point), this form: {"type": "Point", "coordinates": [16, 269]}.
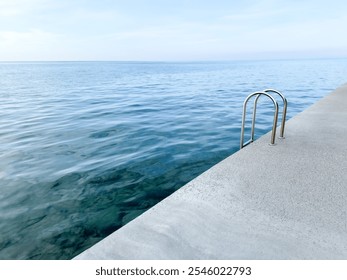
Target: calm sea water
{"type": "Point", "coordinates": [88, 146]}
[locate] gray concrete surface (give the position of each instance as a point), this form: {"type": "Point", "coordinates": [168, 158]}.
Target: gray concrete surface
{"type": "Point", "coordinates": [287, 201]}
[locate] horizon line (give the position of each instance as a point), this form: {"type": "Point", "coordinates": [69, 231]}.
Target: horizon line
{"type": "Point", "coordinates": [172, 61]}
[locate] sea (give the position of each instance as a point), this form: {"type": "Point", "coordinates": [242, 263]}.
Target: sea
{"type": "Point", "coordinates": [85, 147]}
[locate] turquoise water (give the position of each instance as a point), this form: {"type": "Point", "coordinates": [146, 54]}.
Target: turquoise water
{"type": "Point", "coordinates": [88, 146]}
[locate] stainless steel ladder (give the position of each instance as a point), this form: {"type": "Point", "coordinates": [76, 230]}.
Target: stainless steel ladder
{"type": "Point", "coordinates": [265, 92]}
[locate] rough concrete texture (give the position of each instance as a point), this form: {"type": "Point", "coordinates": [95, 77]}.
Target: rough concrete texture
{"type": "Point", "coordinates": [287, 201]}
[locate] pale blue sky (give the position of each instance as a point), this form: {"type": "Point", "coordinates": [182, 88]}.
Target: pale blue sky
{"type": "Point", "coordinates": [171, 30]}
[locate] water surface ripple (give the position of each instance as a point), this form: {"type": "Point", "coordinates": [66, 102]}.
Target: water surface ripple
{"type": "Point", "coordinates": [86, 147]}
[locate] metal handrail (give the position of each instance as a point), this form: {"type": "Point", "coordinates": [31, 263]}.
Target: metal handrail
{"type": "Point", "coordinates": [284, 112]}
{"type": "Point", "coordinates": [273, 135]}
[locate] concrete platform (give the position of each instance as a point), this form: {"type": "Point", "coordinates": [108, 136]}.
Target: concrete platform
{"type": "Point", "coordinates": [287, 201]}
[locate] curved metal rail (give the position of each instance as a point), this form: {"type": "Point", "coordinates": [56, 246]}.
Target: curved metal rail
{"type": "Point", "coordinates": [273, 135]}
{"type": "Point", "coordinates": [284, 112]}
